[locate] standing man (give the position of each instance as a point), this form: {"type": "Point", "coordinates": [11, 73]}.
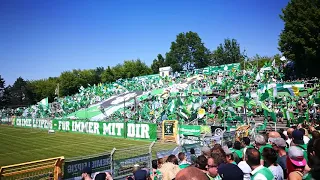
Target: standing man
{"type": "Point", "coordinates": [259, 172]}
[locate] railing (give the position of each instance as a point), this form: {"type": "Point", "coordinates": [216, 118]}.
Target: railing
{"type": "Point", "coordinates": [42, 169]}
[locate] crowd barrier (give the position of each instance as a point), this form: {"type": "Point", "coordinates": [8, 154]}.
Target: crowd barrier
{"type": "Point", "coordinates": [42, 169]}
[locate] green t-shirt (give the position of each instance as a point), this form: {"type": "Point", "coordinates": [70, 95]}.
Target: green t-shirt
{"type": "Point", "coordinates": [182, 166]}
{"type": "Point", "coordinates": [264, 172]}
{"type": "Point", "coordinates": [303, 147]}
{"type": "Point", "coordinates": [215, 178]}
{"type": "Point", "coordinates": [239, 153]}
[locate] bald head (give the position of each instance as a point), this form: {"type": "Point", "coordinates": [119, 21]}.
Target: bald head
{"type": "Point", "coordinates": [274, 134]}
{"type": "Point", "coordinates": [289, 131]}
{"type": "Point", "coordinates": [191, 173]}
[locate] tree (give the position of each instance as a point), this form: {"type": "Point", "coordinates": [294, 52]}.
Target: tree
{"type": "Point", "coordinates": [20, 94]}
{"type": "Point", "coordinates": [128, 69]}
{"type": "Point", "coordinates": [187, 52]}
{"type": "Point", "coordinates": [300, 40]}
{"type": "Point", "coordinates": [43, 88]}
{"type": "Point", "coordinates": [98, 74]}
{"type": "Point", "coordinates": [228, 53]}
{"type": "Point", "coordinates": [2, 89]}
{"type": "Point", "coordinates": [157, 63]}
{"type": "Point", "coordinates": [68, 83]}
{"type": "Point", "coordinates": [107, 75]}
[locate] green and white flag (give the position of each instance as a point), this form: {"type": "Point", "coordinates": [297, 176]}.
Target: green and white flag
{"type": "Point", "coordinates": [44, 102]}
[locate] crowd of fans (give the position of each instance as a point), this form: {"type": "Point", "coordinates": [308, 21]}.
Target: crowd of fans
{"type": "Point", "coordinates": [293, 154]}
{"type": "Point", "coordinates": [230, 94]}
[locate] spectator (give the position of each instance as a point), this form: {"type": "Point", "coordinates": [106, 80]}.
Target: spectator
{"type": "Point", "coordinates": [229, 156]}
{"type": "Point", "coordinates": [289, 133]}
{"type": "Point", "coordinates": [245, 169]}
{"type": "Point", "coordinates": [202, 163]}
{"type": "Point", "coordinates": [217, 149]}
{"type": "Point", "coordinates": [103, 176]}
{"type": "Point", "coordinates": [297, 140]}
{"type": "Point", "coordinates": [155, 173]}
{"type": "Point", "coordinates": [237, 150]}
{"type": "Point", "coordinates": [306, 139]}
{"type": "Point", "coordinates": [86, 173]}
{"type": "Point", "coordinates": [259, 172]}
{"type": "Point", "coordinates": [212, 168]}
{"type": "Point", "coordinates": [260, 144]}
{"type": "Point", "coordinates": [279, 146]}
{"type": "Point", "coordinates": [295, 163]}
{"type": "Point", "coordinates": [315, 134]}
{"type": "Point", "coordinates": [183, 161]}
{"type": "Point", "coordinates": [314, 159]}
{"type": "Point", "coordinates": [231, 172]}
{"type": "Point", "coordinates": [270, 156]}
{"type": "Point", "coordinates": [170, 168]}
{"type": "Point", "coordinates": [191, 173]}
{"type": "Point", "coordinates": [140, 175]}
{"type": "Point", "coordinates": [193, 156]}
{"type": "Point", "coordinates": [246, 144]}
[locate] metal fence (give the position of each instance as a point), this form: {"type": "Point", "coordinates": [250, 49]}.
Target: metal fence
{"type": "Point", "coordinates": [123, 160]}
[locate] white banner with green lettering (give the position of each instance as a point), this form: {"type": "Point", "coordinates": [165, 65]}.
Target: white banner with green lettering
{"type": "Point", "coordinates": [145, 131]}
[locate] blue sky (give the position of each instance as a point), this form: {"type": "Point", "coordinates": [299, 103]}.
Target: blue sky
{"type": "Point", "coordinates": [42, 38]}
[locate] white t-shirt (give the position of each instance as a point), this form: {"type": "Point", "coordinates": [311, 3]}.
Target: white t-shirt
{"type": "Point", "coordinates": [306, 139]}
{"type": "Point", "coordinates": [277, 172]}
{"type": "Point", "coordinates": [289, 141]}
{"type": "Point", "coordinates": [245, 169]}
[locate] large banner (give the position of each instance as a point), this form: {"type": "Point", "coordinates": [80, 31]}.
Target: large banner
{"type": "Point", "coordinates": [33, 123]}
{"type": "Point", "coordinates": [145, 131]}
{"type": "Point", "coordinates": [73, 168]}
{"type": "Point", "coordinates": [192, 130]}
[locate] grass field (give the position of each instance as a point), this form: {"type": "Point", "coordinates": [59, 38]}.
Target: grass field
{"type": "Point", "coordinates": [19, 145]}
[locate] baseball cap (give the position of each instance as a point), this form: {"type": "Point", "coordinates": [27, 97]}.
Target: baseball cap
{"type": "Point", "coordinates": [230, 172]}
{"type": "Point", "coordinates": [297, 137]}
{"type": "Point", "coordinates": [140, 175]}
{"type": "Point", "coordinates": [296, 156]}
{"type": "Point", "coordinates": [280, 142]}
{"type": "Point", "coordinates": [87, 170]}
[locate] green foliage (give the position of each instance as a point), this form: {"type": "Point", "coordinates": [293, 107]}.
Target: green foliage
{"type": "Point", "coordinates": [2, 91]}
{"type": "Point", "coordinates": [19, 94]}
{"type": "Point", "coordinates": [128, 69]}
{"type": "Point", "coordinates": [43, 88]}
{"type": "Point", "coordinates": [300, 39]}
{"type": "Point", "coordinates": [187, 52]}
{"type": "Point", "coordinates": [158, 63]}
{"type": "Point", "coordinates": [227, 53]}
{"type": "Point", "coordinates": [259, 61]}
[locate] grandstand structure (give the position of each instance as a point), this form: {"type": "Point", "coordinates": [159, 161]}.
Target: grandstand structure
{"type": "Point", "coordinates": [223, 94]}
{"type": "Point", "coordinates": [190, 108]}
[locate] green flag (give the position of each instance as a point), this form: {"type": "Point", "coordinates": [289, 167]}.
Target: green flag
{"type": "Point", "coordinates": [273, 116]}
{"type": "Point", "coordinates": [264, 96]}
